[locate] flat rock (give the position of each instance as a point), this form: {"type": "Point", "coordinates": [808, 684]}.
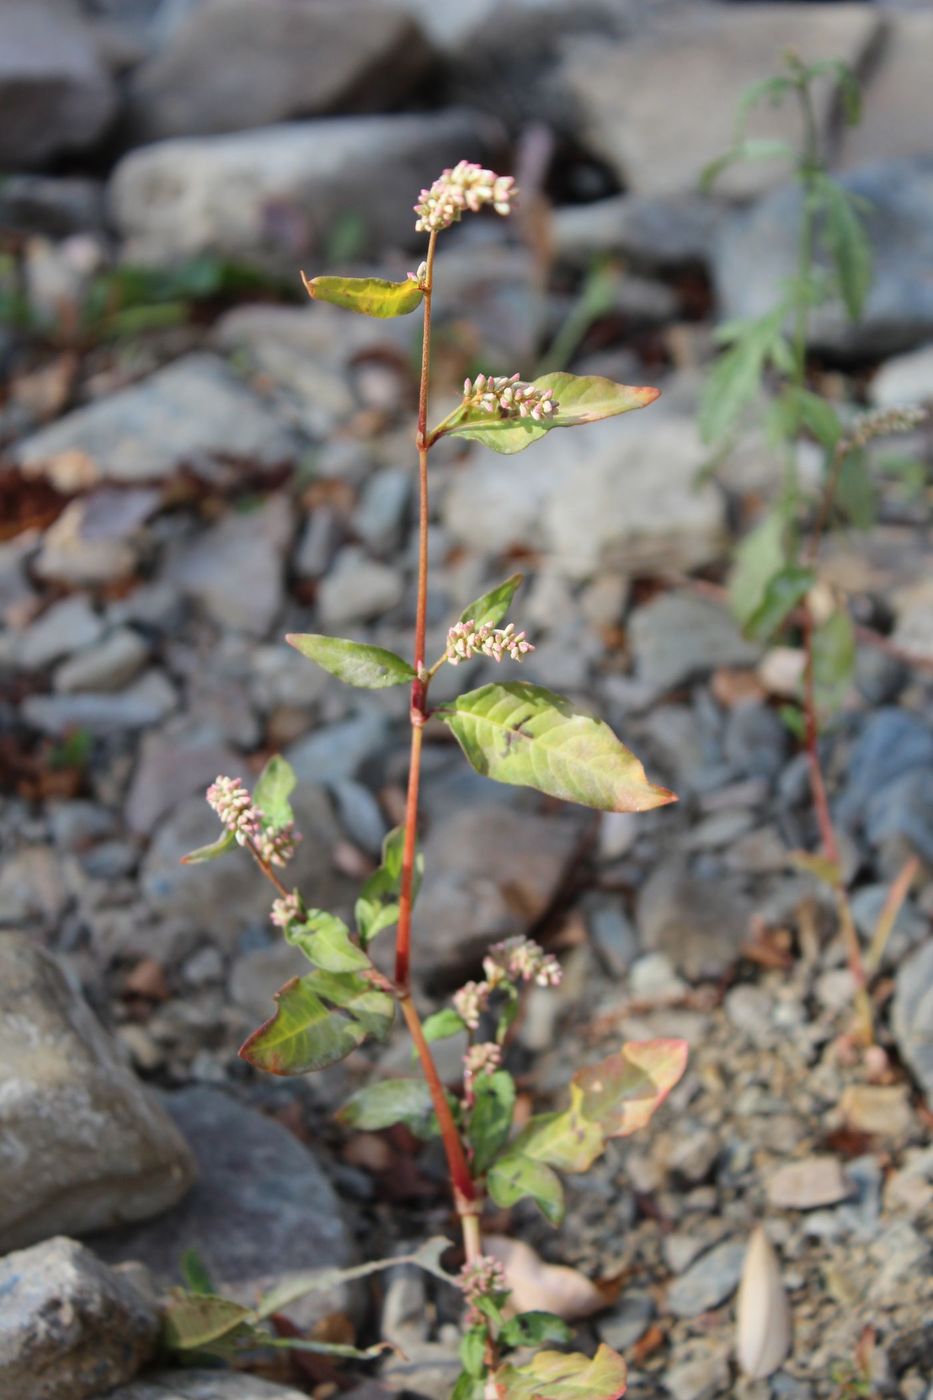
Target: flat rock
{"type": "Point", "coordinates": [491, 871]}
{"type": "Point", "coordinates": [172, 765]}
{"type": "Point", "coordinates": [262, 1207]}
{"type": "Point", "coordinates": [193, 412]}
{"type": "Point", "coordinates": [654, 232]}
{"type": "Point", "coordinates": [230, 66]}
{"type": "Point", "coordinates": [250, 546]}
{"type": "Point", "coordinates": [904, 379]}
{"type": "Point", "coordinates": [679, 635]}
{"type": "Point", "coordinates": [63, 629]}
{"type": "Point", "coordinates": [708, 55]}
{"type": "Point", "coordinates": [699, 924]}
{"type": "Point", "coordinates": [83, 1145]}
{"type": "Point", "coordinates": [205, 1385]}
{"type": "Point", "coordinates": [815, 1181]}
{"type": "Point", "coordinates": [70, 1328]}
{"type": "Point", "coordinates": [55, 93]}
{"type": "Point", "coordinates": [595, 501]}
{"type": "Point", "coordinates": [278, 192]}
{"type": "Point", "coordinates": [227, 898]}
{"type": "Point", "coordinates": [357, 589]}
{"type": "Point", "coordinates": [98, 537]}
{"type": "Point", "coordinates": [914, 607]}
{"type": "Point", "coordinates": [147, 701]}
{"type": "Point", "coordinates": [108, 665]}
{"type": "Point", "coordinates": [892, 744]}
{"type": "Point", "coordinates": [913, 1015]}
{"type": "Point", "coordinates": [880, 1109]}
{"type": "Point", "coordinates": [755, 255]}
{"type": "Point", "coordinates": [709, 1281]}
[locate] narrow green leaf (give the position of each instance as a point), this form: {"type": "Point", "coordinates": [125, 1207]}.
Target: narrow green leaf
{"type": "Point", "coordinates": [371, 296]}
{"type": "Point", "coordinates": [581, 399]}
{"type": "Point", "coordinates": [557, 1375]}
{"type": "Point", "coordinates": [468, 1388]}
{"type": "Point", "coordinates": [736, 376]}
{"type": "Point", "coordinates": [491, 608]}
{"type": "Point", "coordinates": [527, 736]}
{"type": "Point", "coordinates": [759, 556]}
{"type": "Point", "coordinates": [491, 1117]}
{"type": "Point", "coordinates": [750, 149]}
{"type": "Point", "coordinates": [833, 661]}
{"type": "Point", "coordinates": [391, 1101]}
{"type": "Point", "coordinates": [377, 906]}
{"type": "Point", "coordinates": [530, 1329]}
{"type": "Point", "coordinates": [848, 245]}
{"type": "Point", "coordinates": [325, 941]}
{"type": "Point", "coordinates": [318, 1020]}
{"type": "Point", "coordinates": [195, 1273]}
{"type": "Point", "coordinates": [274, 786]}
{"type": "Point", "coordinates": [473, 1351]}
{"type": "Point", "coordinates": [782, 593]}
{"type": "Point", "coordinates": [441, 1025]}
{"type": "Point", "coordinates": [354, 663]}
{"type": "Point", "coordinates": [225, 842]}
{"type": "Point", "coordinates": [815, 413]}
{"type": "Point", "coordinates": [854, 496]}
{"type": "Point", "coordinates": [515, 1176]}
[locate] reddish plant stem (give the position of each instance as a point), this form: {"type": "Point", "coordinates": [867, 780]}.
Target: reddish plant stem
{"type": "Point", "coordinates": [267, 870]}
{"type": "Point", "coordinates": [462, 1184]}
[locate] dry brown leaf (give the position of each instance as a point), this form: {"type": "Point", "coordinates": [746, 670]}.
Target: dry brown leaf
{"type": "Point", "coordinates": [537, 1286]}
{"type": "Point", "coordinates": [763, 1322]}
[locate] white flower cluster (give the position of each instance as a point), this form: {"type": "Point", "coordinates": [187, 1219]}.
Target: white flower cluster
{"type": "Point", "coordinates": [471, 1001]}
{"type": "Point", "coordinates": [277, 847]}
{"type": "Point", "coordinates": [484, 1058]}
{"type": "Point", "coordinates": [521, 960]}
{"type": "Point", "coordinates": [285, 910]}
{"type": "Point", "coordinates": [465, 187]}
{"type": "Point", "coordinates": [509, 396]}
{"type": "Point", "coordinates": [419, 276]}
{"type": "Point", "coordinates": [234, 806]}
{"type": "Point", "coordinates": [481, 1276]}
{"type": "Point", "coordinates": [882, 422]}
{"type": "Point", "coordinates": [466, 639]}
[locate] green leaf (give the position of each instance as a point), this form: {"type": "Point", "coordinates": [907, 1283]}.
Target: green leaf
{"type": "Point", "coordinates": [195, 1273]}
{"type": "Point", "coordinates": [515, 1176]}
{"type": "Point", "coordinates": [354, 663]}
{"type": "Point", "coordinates": [491, 1117]}
{"type": "Point", "coordinates": [468, 1388]}
{"type": "Point", "coordinates": [530, 1329]}
{"type": "Point", "coordinates": [527, 736]}
{"type": "Point", "coordinates": [817, 415]}
{"type": "Point", "coordinates": [567, 1140]}
{"type": "Point", "coordinates": [491, 608]}
{"type": "Point", "coordinates": [758, 557]}
{"type": "Point", "coordinates": [325, 941]}
{"type": "Point", "coordinates": [473, 1351]}
{"type": "Point", "coordinates": [198, 1321]}
{"type": "Point", "coordinates": [848, 245]}
{"type": "Point", "coordinates": [371, 296]}
{"type": "Point", "coordinates": [782, 593]}
{"type": "Point", "coordinates": [274, 787]}
{"type": "Point", "coordinates": [318, 1020]}
{"type": "Point", "coordinates": [377, 906]}
{"type": "Point", "coordinates": [854, 496]}
{"type": "Point", "coordinates": [736, 376]}
{"type": "Point", "coordinates": [581, 399]}
{"type": "Point", "coordinates": [224, 843]}
{"type": "Point", "coordinates": [751, 149]}
{"type": "Point", "coordinates": [391, 1101]}
{"type": "Point", "coordinates": [441, 1025]}
{"type": "Point", "coordinates": [833, 661]}
{"type": "Point", "coordinates": [557, 1375]}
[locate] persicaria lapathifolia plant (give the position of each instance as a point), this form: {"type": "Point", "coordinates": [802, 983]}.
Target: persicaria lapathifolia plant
{"type": "Point", "coordinates": [515, 733]}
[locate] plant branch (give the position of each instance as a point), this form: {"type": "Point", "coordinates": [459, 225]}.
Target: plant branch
{"type": "Point", "coordinates": [267, 870]}
{"type": "Point", "coordinates": [464, 1188]}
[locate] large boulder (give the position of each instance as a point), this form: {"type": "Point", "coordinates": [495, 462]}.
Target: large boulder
{"type": "Point", "coordinates": [278, 193]}
{"type": "Point", "coordinates": [83, 1145]}
{"type": "Point", "coordinates": [55, 94]}
{"type": "Point", "coordinates": [70, 1327]}
{"type": "Point", "coordinates": [234, 64]}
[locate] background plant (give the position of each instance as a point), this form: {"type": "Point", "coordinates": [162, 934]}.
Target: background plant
{"type": "Point", "coordinates": [514, 732]}
{"type": "Point", "coordinates": [775, 583]}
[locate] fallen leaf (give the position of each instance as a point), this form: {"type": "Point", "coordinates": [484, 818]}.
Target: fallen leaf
{"type": "Point", "coordinates": [540, 1287]}
{"type": "Point", "coordinates": [763, 1322]}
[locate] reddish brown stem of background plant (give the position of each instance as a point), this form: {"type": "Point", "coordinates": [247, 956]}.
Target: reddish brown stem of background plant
{"type": "Point", "coordinates": [464, 1189]}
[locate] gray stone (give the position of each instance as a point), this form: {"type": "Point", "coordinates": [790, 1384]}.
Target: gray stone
{"type": "Point", "coordinates": [360, 814]}
{"type": "Point", "coordinates": [236, 569]}
{"type": "Point", "coordinates": [913, 1015]}
{"type": "Point", "coordinates": [278, 192]}
{"type": "Point", "coordinates": [629, 1319]}
{"type": "Point", "coordinates": [97, 538]}
{"type": "Point", "coordinates": [227, 898]}
{"type": "Point", "coordinates": [379, 518]}
{"type": "Point", "coordinates": [903, 808]}
{"type": "Point", "coordinates": [63, 629]}
{"type": "Point", "coordinates": [755, 255]}
{"type": "Point", "coordinates": [914, 630]}
{"type": "Point", "coordinates": [205, 1385]}
{"type": "Point", "coordinates": [259, 974]}
{"type": "Point", "coordinates": [83, 1145]}
{"type": "Point", "coordinates": [904, 379]}
{"type": "Point", "coordinates": [653, 233]}
{"type": "Point", "coordinates": [52, 205]}
{"type": "Point", "coordinates": [755, 742]}
{"type": "Point", "coordinates": [339, 750]}
{"type": "Point", "coordinates": [106, 666]}
{"type": "Point", "coordinates": [193, 412]}
{"type": "Point", "coordinates": [897, 101]}
{"type": "Point", "coordinates": [282, 676]}
{"type": "Point", "coordinates": [893, 742]}
{"type": "Point", "coordinates": [55, 93]}
{"type": "Point", "coordinates": [709, 1281]}
{"type": "Point", "coordinates": [318, 544]}
{"type": "Point", "coordinates": [680, 635]}
{"type": "Point", "coordinates": [172, 765]}
{"type": "Point", "coordinates": [909, 929]}
{"type": "Point", "coordinates": [699, 924]}
{"type": "Point", "coordinates": [357, 588]}
{"type": "Point", "coordinates": [491, 871]}
{"type": "Point", "coordinates": [428, 1371]}
{"type": "Point", "coordinates": [32, 887]}
{"type": "Point", "coordinates": [596, 502]}
{"type": "Point", "coordinates": [70, 1328]}
{"type": "Point", "coordinates": [230, 66]}
{"type": "Point", "coordinates": [262, 1208]}
{"type": "Point", "coordinates": [147, 701]}
{"type": "Point", "coordinates": [612, 932]}
{"type": "Point", "coordinates": [699, 1371]}
{"type": "Point", "coordinates": [708, 55]}
{"type": "Point", "coordinates": [813, 1181]}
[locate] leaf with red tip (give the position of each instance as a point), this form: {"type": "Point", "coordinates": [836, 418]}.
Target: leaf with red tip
{"type": "Point", "coordinates": [370, 296]}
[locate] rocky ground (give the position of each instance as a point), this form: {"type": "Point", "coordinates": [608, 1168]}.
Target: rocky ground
{"type": "Point", "coordinates": [195, 463]}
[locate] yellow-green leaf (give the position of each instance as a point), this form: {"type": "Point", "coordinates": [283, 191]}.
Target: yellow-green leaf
{"type": "Point", "coordinates": [318, 1020]}
{"type": "Point", "coordinates": [557, 1375]}
{"type": "Point", "coordinates": [581, 399]}
{"type": "Point", "coordinates": [354, 663]}
{"type": "Point", "coordinates": [370, 296]}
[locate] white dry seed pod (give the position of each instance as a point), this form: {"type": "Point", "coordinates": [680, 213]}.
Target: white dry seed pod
{"type": "Point", "coordinates": [763, 1322]}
